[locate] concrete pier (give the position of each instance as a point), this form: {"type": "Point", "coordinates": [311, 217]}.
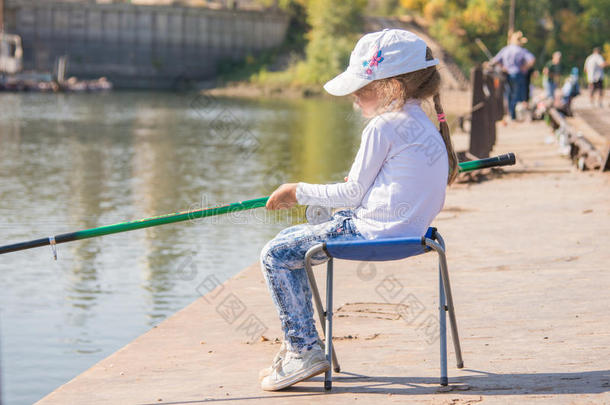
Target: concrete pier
{"type": "Point", "coordinates": [528, 259]}
{"type": "Point", "coordinates": [137, 45]}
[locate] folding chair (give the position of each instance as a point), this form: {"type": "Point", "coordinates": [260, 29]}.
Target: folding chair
{"type": "Point", "coordinates": [384, 250]}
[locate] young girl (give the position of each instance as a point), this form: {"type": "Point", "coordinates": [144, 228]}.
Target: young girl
{"type": "Point", "coordinates": [396, 186]}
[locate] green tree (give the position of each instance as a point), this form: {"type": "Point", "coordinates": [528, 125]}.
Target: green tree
{"type": "Point", "coordinates": [573, 27]}
{"type": "Point", "coordinates": [595, 19]}
{"type": "Point", "coordinates": [334, 31]}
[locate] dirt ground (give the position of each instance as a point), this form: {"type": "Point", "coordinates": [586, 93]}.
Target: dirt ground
{"type": "Point", "coordinates": [528, 250]}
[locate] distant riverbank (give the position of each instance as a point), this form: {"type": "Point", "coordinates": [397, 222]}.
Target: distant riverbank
{"type": "Point", "coordinates": [457, 101]}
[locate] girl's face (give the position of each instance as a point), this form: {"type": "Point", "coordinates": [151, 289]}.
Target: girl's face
{"type": "Point", "coordinates": [367, 100]}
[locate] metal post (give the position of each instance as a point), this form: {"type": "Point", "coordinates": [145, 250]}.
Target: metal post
{"type": "Point", "coordinates": [451, 309]}
{"type": "Point", "coordinates": [449, 297]}
{"type": "Point", "coordinates": [488, 81]}
{"type": "Point", "coordinates": [443, 328]}
{"type": "Point", "coordinates": [329, 323]}
{"type": "Point", "coordinates": [316, 298]}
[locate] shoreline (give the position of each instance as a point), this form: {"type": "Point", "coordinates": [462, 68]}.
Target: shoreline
{"type": "Point", "coordinates": [460, 100]}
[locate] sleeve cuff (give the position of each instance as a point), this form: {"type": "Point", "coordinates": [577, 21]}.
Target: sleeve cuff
{"type": "Point", "coordinates": [300, 194]}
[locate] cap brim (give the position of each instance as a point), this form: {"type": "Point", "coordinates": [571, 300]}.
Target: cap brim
{"type": "Point", "coordinates": [345, 83]}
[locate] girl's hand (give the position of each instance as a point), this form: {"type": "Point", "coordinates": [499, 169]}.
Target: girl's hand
{"type": "Point", "coordinates": [285, 196]}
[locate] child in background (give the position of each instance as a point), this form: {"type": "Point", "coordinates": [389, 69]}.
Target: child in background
{"type": "Point", "coordinates": [569, 91]}
{"type": "Point", "coordinates": [396, 186]}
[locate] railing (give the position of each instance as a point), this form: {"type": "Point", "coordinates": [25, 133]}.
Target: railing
{"type": "Point", "coordinates": [488, 107]}
{"type": "Point", "coordinates": [582, 152]}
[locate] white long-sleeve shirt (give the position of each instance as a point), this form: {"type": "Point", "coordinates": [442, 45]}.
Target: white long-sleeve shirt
{"type": "Point", "coordinates": [594, 66]}
{"type": "Point", "coordinates": [398, 179]}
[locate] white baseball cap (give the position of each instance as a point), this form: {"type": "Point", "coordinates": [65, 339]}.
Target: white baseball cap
{"type": "Point", "coordinates": [380, 55]}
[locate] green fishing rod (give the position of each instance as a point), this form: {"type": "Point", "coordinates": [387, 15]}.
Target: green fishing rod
{"type": "Point", "coordinates": [503, 160]}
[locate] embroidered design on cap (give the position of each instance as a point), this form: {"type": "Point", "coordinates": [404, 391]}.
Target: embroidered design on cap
{"type": "Point", "coordinates": [375, 61]}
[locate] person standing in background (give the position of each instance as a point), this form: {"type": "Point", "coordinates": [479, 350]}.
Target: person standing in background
{"type": "Point", "coordinates": [515, 61]}
{"type": "Point", "coordinates": [528, 76]}
{"type": "Point", "coordinates": [552, 75]}
{"type": "Point", "coordinates": [594, 68]}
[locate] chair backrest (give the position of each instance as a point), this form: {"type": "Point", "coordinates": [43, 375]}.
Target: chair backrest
{"type": "Point", "coordinates": [379, 249]}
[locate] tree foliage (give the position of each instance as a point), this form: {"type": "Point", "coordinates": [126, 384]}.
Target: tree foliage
{"type": "Point", "coordinates": [573, 27]}
{"type": "Point", "coordinates": [326, 31]}
{"type": "Point", "coordinates": [333, 33]}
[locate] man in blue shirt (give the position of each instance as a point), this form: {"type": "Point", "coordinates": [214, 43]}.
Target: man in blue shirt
{"type": "Point", "coordinates": [515, 61]}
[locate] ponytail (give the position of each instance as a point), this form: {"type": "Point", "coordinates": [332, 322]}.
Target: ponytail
{"type": "Point", "coordinates": [444, 130]}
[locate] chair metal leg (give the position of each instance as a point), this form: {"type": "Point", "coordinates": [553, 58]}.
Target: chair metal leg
{"type": "Point", "coordinates": [443, 329]}
{"type": "Point", "coordinates": [449, 297]}
{"type": "Point", "coordinates": [451, 310]}
{"type": "Point", "coordinates": [329, 324]}
{"type": "Point", "coordinates": [318, 301]}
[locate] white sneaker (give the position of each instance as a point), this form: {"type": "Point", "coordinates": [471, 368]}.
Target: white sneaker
{"type": "Point", "coordinates": [278, 358]}
{"type": "Point", "coordinates": [295, 367]}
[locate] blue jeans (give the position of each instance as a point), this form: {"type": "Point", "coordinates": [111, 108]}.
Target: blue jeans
{"type": "Point", "coordinates": [516, 83]}
{"type": "Point", "coordinates": [283, 266]}
{"type": "Point", "coordinates": [549, 88]}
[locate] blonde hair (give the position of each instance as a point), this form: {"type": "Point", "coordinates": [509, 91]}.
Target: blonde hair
{"type": "Point", "coordinates": [420, 84]}
{"type": "Point", "coordinates": [517, 38]}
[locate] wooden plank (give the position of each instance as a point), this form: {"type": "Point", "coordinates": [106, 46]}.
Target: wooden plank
{"type": "Point", "coordinates": [583, 152]}
{"type": "Point", "coordinates": [594, 124]}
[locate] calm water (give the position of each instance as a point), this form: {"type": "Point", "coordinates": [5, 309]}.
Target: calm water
{"type": "Point", "coordinates": [70, 162]}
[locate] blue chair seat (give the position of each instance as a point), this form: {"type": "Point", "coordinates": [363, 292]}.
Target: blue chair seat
{"type": "Point", "coordinates": [379, 250]}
